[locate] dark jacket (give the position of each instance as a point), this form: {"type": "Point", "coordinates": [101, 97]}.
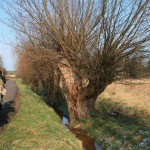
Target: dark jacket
{"type": "Point", "coordinates": [3, 78]}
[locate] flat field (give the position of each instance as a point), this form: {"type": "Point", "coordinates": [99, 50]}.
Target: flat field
{"type": "Point", "coordinates": [132, 94]}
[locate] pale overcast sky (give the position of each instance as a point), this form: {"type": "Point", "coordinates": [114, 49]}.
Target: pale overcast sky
{"type": "Point", "coordinates": [6, 39]}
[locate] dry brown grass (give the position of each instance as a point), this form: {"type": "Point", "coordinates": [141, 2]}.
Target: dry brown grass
{"type": "Point", "coordinates": [133, 95]}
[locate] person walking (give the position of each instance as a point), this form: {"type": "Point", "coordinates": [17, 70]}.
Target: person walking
{"type": "Point", "coordinates": [2, 86]}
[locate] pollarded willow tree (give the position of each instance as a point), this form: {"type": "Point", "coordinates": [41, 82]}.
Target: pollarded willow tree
{"type": "Point", "coordinates": [93, 39]}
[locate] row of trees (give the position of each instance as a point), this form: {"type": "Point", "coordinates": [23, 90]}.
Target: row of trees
{"type": "Point", "coordinates": [138, 68]}
{"type": "Point", "coordinates": [78, 47]}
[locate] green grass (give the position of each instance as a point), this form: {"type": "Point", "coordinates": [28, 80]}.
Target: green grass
{"type": "Point", "coordinates": [36, 127]}
{"type": "Point", "coordinates": [126, 132]}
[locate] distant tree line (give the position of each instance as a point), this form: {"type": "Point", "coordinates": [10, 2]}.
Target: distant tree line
{"type": "Point", "coordinates": [138, 68]}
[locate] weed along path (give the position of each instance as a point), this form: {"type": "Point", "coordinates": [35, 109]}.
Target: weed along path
{"type": "Point", "coordinates": [8, 103]}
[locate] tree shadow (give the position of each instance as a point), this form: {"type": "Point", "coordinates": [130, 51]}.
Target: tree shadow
{"type": "Point", "coordinates": [5, 113]}
{"type": "Point", "coordinates": [129, 128]}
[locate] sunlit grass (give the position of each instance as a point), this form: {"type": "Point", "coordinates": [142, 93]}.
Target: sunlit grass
{"type": "Point", "coordinates": [131, 129]}
{"type": "Point", "coordinates": [127, 131]}
{"type": "Point", "coordinates": [36, 127]}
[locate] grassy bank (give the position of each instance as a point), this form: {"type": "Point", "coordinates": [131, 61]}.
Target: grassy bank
{"type": "Point", "coordinates": [131, 129]}
{"type": "Point", "coordinates": [36, 127]}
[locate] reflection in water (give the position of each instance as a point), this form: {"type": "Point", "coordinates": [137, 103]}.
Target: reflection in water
{"type": "Point", "coordinates": [65, 122]}
{"type": "Point", "coordinates": [87, 142]}
{"type": "Point", "coordinates": [97, 146]}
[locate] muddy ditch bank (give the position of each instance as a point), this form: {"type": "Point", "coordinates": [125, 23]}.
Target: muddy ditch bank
{"type": "Point", "coordinates": [87, 142]}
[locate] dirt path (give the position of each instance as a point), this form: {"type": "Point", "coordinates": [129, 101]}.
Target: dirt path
{"type": "Point", "coordinates": [8, 105]}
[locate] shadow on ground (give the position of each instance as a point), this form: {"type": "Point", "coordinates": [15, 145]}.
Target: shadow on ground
{"type": "Point", "coordinates": [129, 130]}
{"type": "Point", "coordinates": [6, 113]}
